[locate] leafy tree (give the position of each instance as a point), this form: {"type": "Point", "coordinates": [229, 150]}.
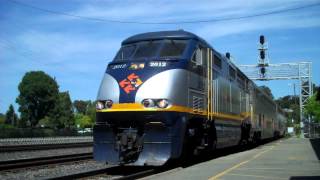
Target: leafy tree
{"type": "Point", "coordinates": [45, 122]}
{"type": "Point", "coordinates": [81, 106]}
{"type": "Point", "coordinates": [38, 96]}
{"type": "Point", "coordinates": [62, 115]}
{"type": "Point", "coordinates": [318, 95]}
{"type": "Point", "coordinates": [83, 121]}
{"type": "Point", "coordinates": [11, 116]}
{"type": "Point", "coordinates": [267, 91]}
{"type": "Point", "coordinates": [2, 118]}
{"type": "Point", "coordinates": [313, 108]}
{"type": "Point", "coordinates": [91, 112]}
{"type": "Point", "coordinates": [290, 102]}
{"type": "Point", "coordinates": [86, 108]}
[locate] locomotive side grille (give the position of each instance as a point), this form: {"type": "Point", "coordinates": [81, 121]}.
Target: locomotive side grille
{"type": "Point", "coordinates": [197, 104]}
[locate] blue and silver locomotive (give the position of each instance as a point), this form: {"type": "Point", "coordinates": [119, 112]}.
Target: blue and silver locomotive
{"type": "Point", "coordinates": [167, 93]}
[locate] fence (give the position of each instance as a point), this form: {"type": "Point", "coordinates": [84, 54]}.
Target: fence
{"type": "Point", "coordinates": [40, 132]}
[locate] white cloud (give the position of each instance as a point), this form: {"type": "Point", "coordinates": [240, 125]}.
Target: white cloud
{"type": "Point", "coordinates": [171, 11]}
{"type": "Point", "coordinates": [283, 21]}
{"type": "Point", "coordinates": [64, 47]}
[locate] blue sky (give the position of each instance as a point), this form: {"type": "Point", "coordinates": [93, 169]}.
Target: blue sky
{"type": "Point", "coordinates": [76, 50]}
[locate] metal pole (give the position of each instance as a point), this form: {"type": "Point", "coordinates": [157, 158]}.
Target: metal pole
{"type": "Point", "coordinates": [294, 93]}
{"type": "Point", "coordinates": [300, 99]}
{"type": "Point", "coordinates": [310, 91]}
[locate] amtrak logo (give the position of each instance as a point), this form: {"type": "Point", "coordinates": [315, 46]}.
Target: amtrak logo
{"type": "Point", "coordinates": [131, 83]}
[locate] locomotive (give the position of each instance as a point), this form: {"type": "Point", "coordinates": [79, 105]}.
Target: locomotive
{"type": "Point", "coordinates": [169, 92]}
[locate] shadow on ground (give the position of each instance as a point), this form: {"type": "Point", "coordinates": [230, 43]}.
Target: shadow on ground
{"type": "Point", "coordinates": [316, 146]}
{"type": "Point", "coordinates": [305, 178]}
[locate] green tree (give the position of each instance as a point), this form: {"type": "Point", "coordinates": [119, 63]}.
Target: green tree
{"type": "Point", "coordinates": [83, 121]}
{"type": "Point", "coordinates": [2, 118]}
{"type": "Point", "coordinates": [11, 116]}
{"type": "Point", "coordinates": [313, 108]}
{"type": "Point", "coordinates": [62, 115]}
{"type": "Point", "coordinates": [38, 96]}
{"type": "Point", "coordinates": [287, 101]}
{"type": "Point", "coordinates": [45, 122]}
{"type": "Point", "coordinates": [91, 111]}
{"type": "Point", "coordinates": [81, 106]}
{"type": "Point", "coordinates": [290, 102]}
{"type": "Point", "coordinates": [267, 91]}
{"type": "Point", "coordinates": [318, 94]}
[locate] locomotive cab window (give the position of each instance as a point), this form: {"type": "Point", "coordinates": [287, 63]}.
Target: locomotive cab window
{"type": "Point", "coordinates": [147, 49]}
{"type": "Point", "coordinates": [198, 56]}
{"type": "Point", "coordinates": [125, 52]}
{"type": "Point", "coordinates": [152, 49]}
{"type": "Point", "coordinates": [173, 48]}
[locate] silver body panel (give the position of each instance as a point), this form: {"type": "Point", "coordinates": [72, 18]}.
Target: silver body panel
{"type": "Point", "coordinates": [170, 84]}
{"type": "Point", "coordinates": [109, 89]}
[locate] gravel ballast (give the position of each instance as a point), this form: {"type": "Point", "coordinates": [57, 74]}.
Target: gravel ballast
{"type": "Point", "coordinates": [45, 140]}
{"type": "Point", "coordinates": [46, 172]}
{"type": "Point", "coordinates": [6, 156]}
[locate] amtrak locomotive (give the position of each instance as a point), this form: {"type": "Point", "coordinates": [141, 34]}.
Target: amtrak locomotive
{"type": "Point", "coordinates": [167, 93]}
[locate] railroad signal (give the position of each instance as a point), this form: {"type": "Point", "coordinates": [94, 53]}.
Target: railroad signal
{"type": "Point", "coordinates": [263, 61]}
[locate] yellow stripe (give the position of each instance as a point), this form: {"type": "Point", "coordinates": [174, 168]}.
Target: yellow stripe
{"type": "Point", "coordinates": [140, 107]}
{"type": "Point", "coordinates": [256, 176]}
{"type": "Point", "coordinates": [240, 164]}
{"type": "Point", "coordinates": [227, 116]}
{"type": "Point", "coordinates": [130, 107]}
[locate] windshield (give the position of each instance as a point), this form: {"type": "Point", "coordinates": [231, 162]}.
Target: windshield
{"type": "Point", "coordinates": [152, 49]}
{"type": "Point", "coordinates": [172, 48]}
{"type": "Point", "coordinates": [147, 49]}
{"type": "Point", "coordinates": [125, 52]}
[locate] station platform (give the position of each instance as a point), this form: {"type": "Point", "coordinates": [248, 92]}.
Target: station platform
{"type": "Point", "coordinates": [291, 158]}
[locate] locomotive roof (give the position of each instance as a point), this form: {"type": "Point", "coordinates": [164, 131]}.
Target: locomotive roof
{"type": "Point", "coordinates": [180, 34]}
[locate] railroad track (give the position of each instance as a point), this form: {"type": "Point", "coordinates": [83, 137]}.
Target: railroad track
{"type": "Point", "coordinates": [115, 172]}
{"type": "Point", "coordinates": [13, 148]}
{"type": "Point", "coordinates": [27, 163]}
{"type": "Point", "coordinates": [118, 172]}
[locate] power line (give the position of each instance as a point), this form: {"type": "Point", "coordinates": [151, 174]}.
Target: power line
{"type": "Point", "coordinates": [171, 22]}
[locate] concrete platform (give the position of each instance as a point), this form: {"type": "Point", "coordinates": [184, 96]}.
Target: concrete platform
{"type": "Point", "coordinates": [293, 158]}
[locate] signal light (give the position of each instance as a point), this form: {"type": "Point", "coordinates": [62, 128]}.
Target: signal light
{"type": "Point", "coordinates": [262, 39]}
{"type": "Point", "coordinates": [262, 55]}
{"type": "Point", "coordinates": [263, 70]}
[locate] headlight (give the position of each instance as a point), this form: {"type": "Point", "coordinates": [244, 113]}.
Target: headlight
{"type": "Point", "coordinates": [162, 103]}
{"type": "Point", "coordinates": [99, 105]}
{"type": "Point", "coordinates": [155, 103]}
{"type": "Point", "coordinates": [148, 103]}
{"type": "Point", "coordinates": [108, 103]}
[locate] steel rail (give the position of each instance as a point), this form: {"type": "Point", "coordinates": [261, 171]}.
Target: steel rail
{"type": "Point", "coordinates": [26, 163]}
{"type": "Point", "coordinates": [126, 172]}
{"type": "Point", "coordinates": [13, 148]}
